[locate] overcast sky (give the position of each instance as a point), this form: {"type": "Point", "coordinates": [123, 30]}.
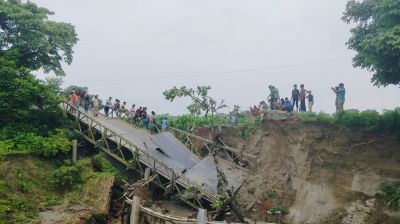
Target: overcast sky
{"type": "Point", "coordinates": [135, 49]}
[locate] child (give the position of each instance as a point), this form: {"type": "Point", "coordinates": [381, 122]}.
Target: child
{"type": "Point", "coordinates": [310, 98]}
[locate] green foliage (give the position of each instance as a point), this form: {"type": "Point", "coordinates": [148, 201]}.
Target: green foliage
{"type": "Point", "coordinates": [29, 112]}
{"type": "Point", "coordinates": [248, 128]}
{"type": "Point", "coordinates": [66, 177]}
{"type": "Point", "coordinates": [32, 41]}
{"type": "Point", "coordinates": [17, 210]}
{"type": "Point", "coordinates": [392, 195]}
{"type": "Point", "coordinates": [277, 209]}
{"type": "Point", "coordinates": [54, 83]}
{"type": "Point", "coordinates": [376, 38]}
{"type": "Point", "coordinates": [105, 166]}
{"type": "Point", "coordinates": [201, 101]}
{"type": "Point", "coordinates": [272, 194]}
{"type": "Point", "coordinates": [67, 91]}
{"type": "Point", "coordinates": [317, 117]}
{"type": "Point", "coordinates": [220, 202]}
{"type": "Point", "coordinates": [13, 140]}
{"type": "Point", "coordinates": [148, 203]}
{"type": "Point", "coordinates": [388, 122]}
{"type": "Point", "coordinates": [25, 189]}
{"type": "Point", "coordinates": [191, 122]}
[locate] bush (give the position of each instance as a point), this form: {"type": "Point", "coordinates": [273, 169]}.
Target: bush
{"type": "Point", "coordinates": [190, 122]}
{"type": "Point", "coordinates": [368, 120]}
{"type": "Point", "coordinates": [17, 210]}
{"type": "Point", "coordinates": [14, 140]}
{"type": "Point", "coordinates": [249, 128]}
{"type": "Point", "coordinates": [66, 177]}
{"type": "Point", "coordinates": [387, 123]}
{"type": "Point", "coordinates": [392, 195]}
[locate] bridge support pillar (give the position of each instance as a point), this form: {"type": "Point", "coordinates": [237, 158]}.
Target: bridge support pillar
{"type": "Point", "coordinates": [74, 150]}
{"type": "Point", "coordinates": [135, 212]}
{"type": "Point", "coordinates": [147, 173]}
{"type": "Point", "coordinates": [202, 216]}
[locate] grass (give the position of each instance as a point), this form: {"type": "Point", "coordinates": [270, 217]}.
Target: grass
{"type": "Point", "coordinates": [26, 189]}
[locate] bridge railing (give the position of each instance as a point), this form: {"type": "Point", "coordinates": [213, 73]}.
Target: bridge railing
{"type": "Point", "coordinates": [138, 155]}
{"type": "Point", "coordinates": [234, 154]}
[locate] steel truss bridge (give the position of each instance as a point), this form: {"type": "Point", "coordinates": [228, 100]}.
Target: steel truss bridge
{"type": "Point", "coordinates": [175, 167]}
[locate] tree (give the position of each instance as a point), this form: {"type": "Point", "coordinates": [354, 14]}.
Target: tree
{"type": "Point", "coordinates": [54, 83]}
{"type": "Point", "coordinates": [32, 41]}
{"type": "Point", "coordinates": [29, 42]}
{"type": "Point", "coordinates": [201, 101]}
{"type": "Point", "coordinates": [78, 89]}
{"type": "Point", "coordinates": [376, 38]}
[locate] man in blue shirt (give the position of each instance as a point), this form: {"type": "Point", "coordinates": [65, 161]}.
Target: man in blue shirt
{"type": "Point", "coordinates": [341, 93]}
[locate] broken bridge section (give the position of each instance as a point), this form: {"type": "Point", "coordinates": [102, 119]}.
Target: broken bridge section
{"type": "Point", "coordinates": [178, 170]}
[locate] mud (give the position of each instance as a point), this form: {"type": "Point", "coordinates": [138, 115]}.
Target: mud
{"type": "Point", "coordinates": [315, 170]}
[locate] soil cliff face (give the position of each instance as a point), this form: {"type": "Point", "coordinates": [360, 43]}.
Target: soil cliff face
{"type": "Point", "coordinates": [321, 174]}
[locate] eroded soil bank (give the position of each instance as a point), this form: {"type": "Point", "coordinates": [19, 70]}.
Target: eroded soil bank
{"type": "Point", "coordinates": [316, 173]}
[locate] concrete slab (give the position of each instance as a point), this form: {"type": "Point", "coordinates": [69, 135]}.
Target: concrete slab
{"type": "Point", "coordinates": [205, 173]}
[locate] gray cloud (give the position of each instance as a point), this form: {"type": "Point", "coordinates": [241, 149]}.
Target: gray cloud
{"type": "Point", "coordinates": [134, 50]}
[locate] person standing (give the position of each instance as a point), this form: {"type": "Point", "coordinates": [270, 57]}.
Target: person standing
{"type": "Point", "coordinates": [145, 119]}
{"type": "Point", "coordinates": [310, 98]}
{"type": "Point", "coordinates": [86, 102]}
{"type": "Point", "coordinates": [341, 95]}
{"type": "Point", "coordinates": [116, 107]}
{"type": "Point", "coordinates": [164, 124]}
{"type": "Point", "coordinates": [74, 99]}
{"type": "Point", "coordinates": [295, 97]}
{"type": "Point", "coordinates": [108, 106]}
{"type": "Point", "coordinates": [273, 96]}
{"type": "Point", "coordinates": [302, 97]}
{"type": "Point", "coordinates": [81, 96]}
{"type": "Point", "coordinates": [132, 113]}
{"type": "Point", "coordinates": [138, 114]}
{"type": "Point", "coordinates": [336, 90]}
{"type": "Point", "coordinates": [95, 108]}
{"type": "Point", "coordinates": [152, 123]}
{"type": "Point", "coordinates": [123, 109]}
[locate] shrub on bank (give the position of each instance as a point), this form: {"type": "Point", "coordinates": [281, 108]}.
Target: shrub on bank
{"type": "Point", "coordinates": [388, 122]}
{"type": "Point", "coordinates": [14, 140]}
{"type": "Point", "coordinates": [66, 177]}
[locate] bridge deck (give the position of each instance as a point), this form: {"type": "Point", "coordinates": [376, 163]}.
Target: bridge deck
{"type": "Point", "coordinates": [169, 150]}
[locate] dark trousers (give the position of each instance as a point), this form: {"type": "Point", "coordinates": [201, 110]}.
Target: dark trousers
{"type": "Point", "coordinates": [106, 110]}
{"type": "Point", "coordinates": [303, 105]}
{"type": "Point", "coordinates": [295, 102]}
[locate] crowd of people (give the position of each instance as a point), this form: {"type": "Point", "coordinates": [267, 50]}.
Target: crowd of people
{"type": "Point", "coordinates": [298, 99]}
{"type": "Point", "coordinates": [136, 115]}
{"type": "Point", "coordinates": [139, 115]}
